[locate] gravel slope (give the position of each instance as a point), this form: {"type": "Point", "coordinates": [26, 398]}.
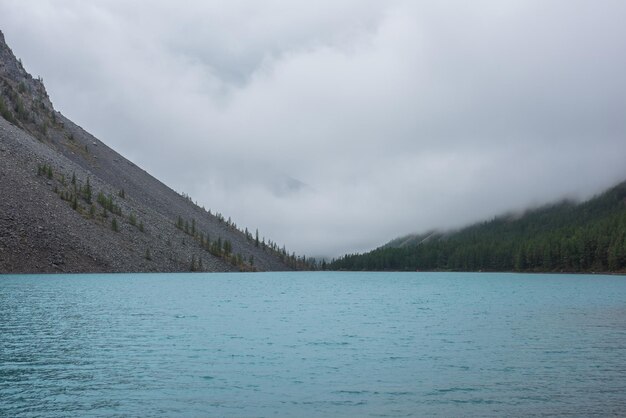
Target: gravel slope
{"type": "Point", "coordinates": [42, 232]}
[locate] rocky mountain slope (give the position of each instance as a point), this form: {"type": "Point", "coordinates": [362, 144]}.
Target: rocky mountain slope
{"type": "Point", "coordinates": [69, 203]}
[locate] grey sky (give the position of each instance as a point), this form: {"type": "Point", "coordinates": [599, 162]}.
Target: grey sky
{"type": "Point", "coordinates": [336, 126]}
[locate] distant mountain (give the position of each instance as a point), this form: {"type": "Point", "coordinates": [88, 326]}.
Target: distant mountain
{"type": "Point", "coordinates": [566, 236]}
{"type": "Point", "coordinates": [412, 240]}
{"type": "Point", "coordinates": [69, 203]}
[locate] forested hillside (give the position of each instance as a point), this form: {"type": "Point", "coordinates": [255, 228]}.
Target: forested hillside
{"type": "Point", "coordinates": [567, 236]}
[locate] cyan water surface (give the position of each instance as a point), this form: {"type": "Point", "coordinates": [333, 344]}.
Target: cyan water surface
{"type": "Point", "coordinates": [312, 344]}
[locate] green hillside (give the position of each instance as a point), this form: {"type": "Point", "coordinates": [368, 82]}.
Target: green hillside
{"type": "Point", "coordinates": [567, 236]}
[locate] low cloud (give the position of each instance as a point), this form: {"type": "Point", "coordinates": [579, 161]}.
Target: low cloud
{"type": "Point", "coordinates": [336, 127]}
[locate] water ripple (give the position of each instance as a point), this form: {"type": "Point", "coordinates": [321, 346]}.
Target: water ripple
{"type": "Point", "coordinates": [312, 344]}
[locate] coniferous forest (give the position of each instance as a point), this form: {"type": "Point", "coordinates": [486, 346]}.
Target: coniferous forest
{"type": "Point", "coordinates": [568, 237]}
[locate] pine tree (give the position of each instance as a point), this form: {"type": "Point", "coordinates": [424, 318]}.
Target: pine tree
{"type": "Point", "coordinates": [87, 192]}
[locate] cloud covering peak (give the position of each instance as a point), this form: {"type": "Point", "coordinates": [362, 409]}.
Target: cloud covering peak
{"type": "Point", "coordinates": [336, 126]}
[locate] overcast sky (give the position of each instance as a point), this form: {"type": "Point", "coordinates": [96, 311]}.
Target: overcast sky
{"type": "Point", "coordinates": [335, 126]}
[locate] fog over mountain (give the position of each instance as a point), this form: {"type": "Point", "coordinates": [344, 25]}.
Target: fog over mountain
{"type": "Point", "coordinates": [336, 126]}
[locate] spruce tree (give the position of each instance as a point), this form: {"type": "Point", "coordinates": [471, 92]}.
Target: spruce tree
{"type": "Point", "coordinates": [87, 191]}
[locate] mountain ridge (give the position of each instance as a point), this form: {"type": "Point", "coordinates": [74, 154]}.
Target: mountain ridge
{"type": "Point", "coordinates": [72, 204]}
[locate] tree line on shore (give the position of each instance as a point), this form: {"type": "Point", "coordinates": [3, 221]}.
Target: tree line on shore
{"type": "Point", "coordinates": [567, 236]}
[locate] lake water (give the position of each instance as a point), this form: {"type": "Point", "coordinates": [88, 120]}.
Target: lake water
{"type": "Point", "coordinates": [313, 344]}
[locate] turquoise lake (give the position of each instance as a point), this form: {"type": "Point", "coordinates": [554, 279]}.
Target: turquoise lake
{"type": "Point", "coordinates": [316, 344]}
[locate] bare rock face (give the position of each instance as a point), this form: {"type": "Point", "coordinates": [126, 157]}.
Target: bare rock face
{"type": "Point", "coordinates": [69, 203]}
